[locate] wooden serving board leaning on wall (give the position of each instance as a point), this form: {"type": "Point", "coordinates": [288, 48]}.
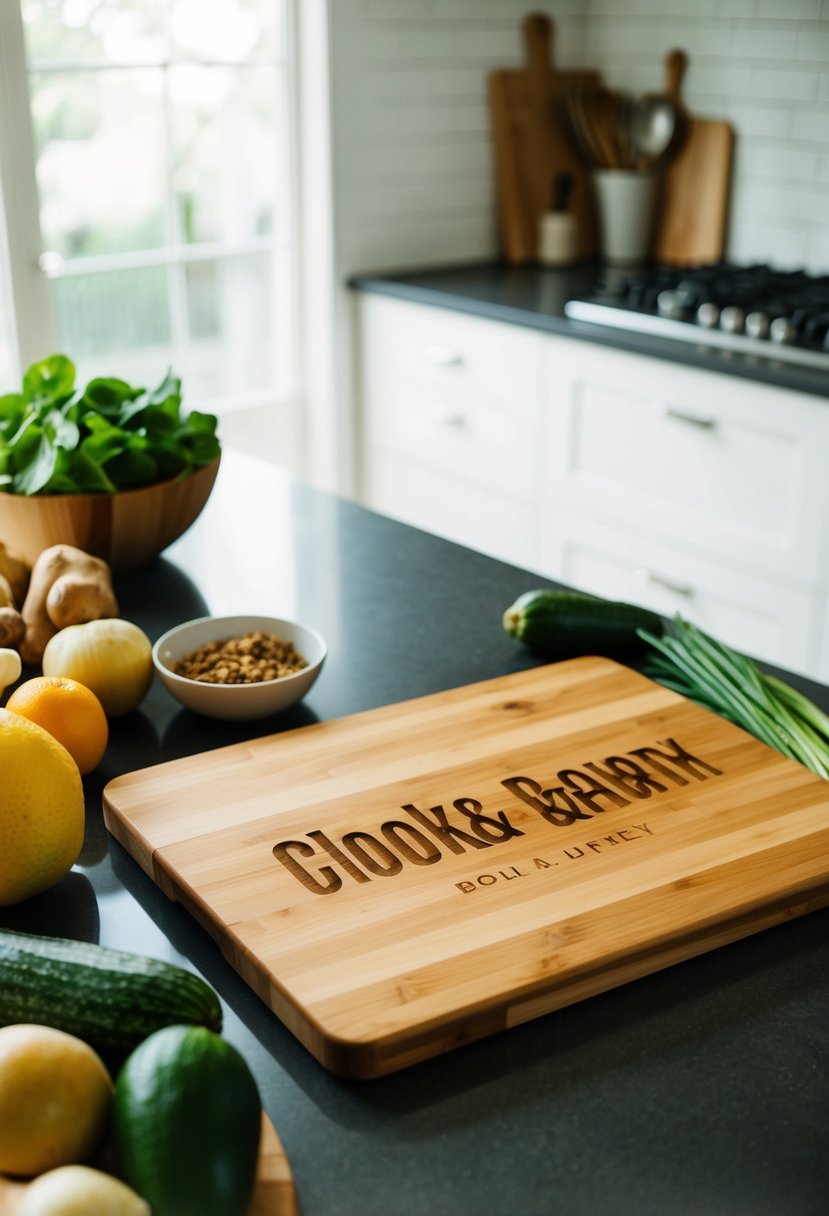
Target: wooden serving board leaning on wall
{"type": "Point", "coordinates": [401, 881]}
{"type": "Point", "coordinates": [532, 144]}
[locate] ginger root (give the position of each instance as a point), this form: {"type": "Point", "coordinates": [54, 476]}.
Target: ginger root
{"type": "Point", "coordinates": [12, 626]}
{"type": "Point", "coordinates": [67, 587]}
{"type": "Point", "coordinates": [16, 571]}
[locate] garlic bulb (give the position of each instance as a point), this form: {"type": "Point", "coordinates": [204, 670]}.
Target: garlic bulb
{"type": "Point", "coordinates": [10, 668]}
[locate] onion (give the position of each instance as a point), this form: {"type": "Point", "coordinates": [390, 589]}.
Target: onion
{"type": "Point", "coordinates": [113, 658]}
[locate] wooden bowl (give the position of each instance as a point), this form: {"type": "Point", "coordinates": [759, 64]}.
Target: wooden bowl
{"type": "Point", "coordinates": [125, 529]}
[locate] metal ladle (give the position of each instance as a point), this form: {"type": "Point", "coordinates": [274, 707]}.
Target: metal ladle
{"type": "Point", "coordinates": [653, 127]}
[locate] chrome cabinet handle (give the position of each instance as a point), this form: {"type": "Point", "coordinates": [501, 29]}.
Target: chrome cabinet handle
{"type": "Point", "coordinates": [441, 356]}
{"type": "Point", "coordinates": [704, 423]}
{"type": "Point", "coordinates": [446, 416]}
{"type": "Point", "coordinates": [659, 580]}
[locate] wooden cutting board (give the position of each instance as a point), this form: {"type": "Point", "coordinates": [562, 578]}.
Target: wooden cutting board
{"type": "Point", "coordinates": [401, 881]}
{"type": "Point", "coordinates": [696, 186]}
{"type": "Point", "coordinates": [532, 144]}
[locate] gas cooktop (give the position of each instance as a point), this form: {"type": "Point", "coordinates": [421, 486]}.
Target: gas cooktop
{"type": "Point", "coordinates": [754, 309]}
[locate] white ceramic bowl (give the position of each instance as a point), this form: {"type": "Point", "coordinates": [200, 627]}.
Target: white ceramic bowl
{"type": "Point", "coordinates": [237, 701]}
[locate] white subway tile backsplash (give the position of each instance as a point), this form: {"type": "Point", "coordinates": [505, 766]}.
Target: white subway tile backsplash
{"type": "Point", "coordinates": [810, 123]}
{"type": "Point", "coordinates": [751, 119]}
{"type": "Point", "coordinates": [778, 161]}
{"type": "Point", "coordinates": [783, 84]}
{"type": "Point", "coordinates": [764, 42]}
{"type": "Point", "coordinates": [412, 140]}
{"type": "Point", "coordinates": [813, 45]}
{"type": "Point", "coordinates": [805, 10]}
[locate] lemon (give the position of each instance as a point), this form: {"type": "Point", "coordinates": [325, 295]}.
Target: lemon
{"type": "Point", "coordinates": [41, 809]}
{"type": "Point", "coordinates": [55, 1099]}
{"type": "Point", "coordinates": [77, 1190]}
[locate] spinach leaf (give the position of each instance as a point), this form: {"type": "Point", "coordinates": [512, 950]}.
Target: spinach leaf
{"type": "Point", "coordinates": [49, 381]}
{"type": "Point", "coordinates": [109, 436]}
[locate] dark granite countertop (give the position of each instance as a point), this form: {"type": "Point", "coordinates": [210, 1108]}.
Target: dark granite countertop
{"type": "Point", "coordinates": [535, 296]}
{"type": "Point", "coordinates": [699, 1089]}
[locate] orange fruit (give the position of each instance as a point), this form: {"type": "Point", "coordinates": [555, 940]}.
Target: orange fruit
{"type": "Point", "coordinates": [42, 812]}
{"type": "Point", "coordinates": [70, 712]}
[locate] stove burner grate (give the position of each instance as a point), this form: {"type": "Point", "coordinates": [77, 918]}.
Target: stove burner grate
{"type": "Point", "coordinates": [754, 309]}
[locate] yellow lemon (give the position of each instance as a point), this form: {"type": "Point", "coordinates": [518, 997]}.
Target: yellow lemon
{"type": "Point", "coordinates": [41, 809]}
{"type": "Point", "coordinates": [55, 1098]}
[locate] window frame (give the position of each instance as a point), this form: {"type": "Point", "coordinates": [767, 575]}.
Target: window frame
{"type": "Point", "coordinates": [29, 267]}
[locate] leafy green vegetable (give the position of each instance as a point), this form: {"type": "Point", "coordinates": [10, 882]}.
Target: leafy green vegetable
{"type": "Point", "coordinates": [733, 686]}
{"type": "Point", "coordinates": [57, 438]}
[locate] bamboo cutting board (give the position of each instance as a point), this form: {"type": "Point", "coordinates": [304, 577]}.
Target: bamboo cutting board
{"type": "Point", "coordinates": [532, 144]}
{"type": "Point", "coordinates": [696, 186]}
{"type": "Point", "coordinates": [401, 881]}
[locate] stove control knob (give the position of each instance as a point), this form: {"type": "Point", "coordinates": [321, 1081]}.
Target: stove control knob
{"type": "Point", "coordinates": [757, 325]}
{"type": "Point", "coordinates": [782, 330]}
{"type": "Point", "coordinates": [732, 319]}
{"type": "Point", "coordinates": [669, 305]}
{"type": "Point", "coordinates": [708, 315]}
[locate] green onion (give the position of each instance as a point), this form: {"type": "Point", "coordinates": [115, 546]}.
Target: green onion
{"type": "Point", "coordinates": [718, 678]}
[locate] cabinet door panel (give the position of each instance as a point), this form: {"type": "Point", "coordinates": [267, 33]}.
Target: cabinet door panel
{"type": "Point", "coordinates": [454, 394]}
{"type": "Point", "coordinates": [500, 526]}
{"type": "Point", "coordinates": [727, 467]}
{"type": "Point", "coordinates": [757, 616]}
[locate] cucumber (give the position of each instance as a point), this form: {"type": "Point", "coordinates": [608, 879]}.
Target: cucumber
{"type": "Point", "coordinates": [187, 1119]}
{"type": "Point", "coordinates": [110, 999]}
{"type": "Point", "coordinates": [563, 624]}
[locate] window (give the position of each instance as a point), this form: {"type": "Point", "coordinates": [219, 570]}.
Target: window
{"type": "Point", "coordinates": [158, 160]}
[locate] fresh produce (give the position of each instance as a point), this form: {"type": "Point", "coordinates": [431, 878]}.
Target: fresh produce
{"type": "Point", "coordinates": [41, 809]}
{"type": "Point", "coordinates": [187, 1119]}
{"type": "Point", "coordinates": [67, 587]}
{"type": "Point", "coordinates": [10, 667]}
{"type": "Point", "coordinates": [16, 571]}
{"type": "Point", "coordinates": [69, 712]}
{"type": "Point", "coordinates": [78, 1190]}
{"type": "Point", "coordinates": [56, 438]}
{"type": "Point", "coordinates": [562, 624]}
{"type": "Point", "coordinates": [113, 658]}
{"type": "Point", "coordinates": [12, 625]}
{"type": "Point", "coordinates": [55, 1099]}
{"type": "Point", "coordinates": [733, 686]}
{"type": "Point", "coordinates": [110, 998]}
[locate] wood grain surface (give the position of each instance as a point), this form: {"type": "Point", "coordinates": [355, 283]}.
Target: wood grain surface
{"type": "Point", "coordinates": [697, 184]}
{"type": "Point", "coordinates": [274, 1194]}
{"type": "Point", "coordinates": [396, 883]}
{"type": "Point", "coordinates": [532, 143]}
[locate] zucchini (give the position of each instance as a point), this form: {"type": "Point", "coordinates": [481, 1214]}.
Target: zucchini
{"type": "Point", "coordinates": [109, 998]}
{"type": "Point", "coordinates": [563, 624]}
{"type": "Point", "coordinates": [187, 1122]}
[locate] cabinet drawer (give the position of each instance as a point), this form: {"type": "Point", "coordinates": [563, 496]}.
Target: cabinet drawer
{"type": "Point", "coordinates": [736, 470]}
{"type": "Point", "coordinates": [757, 616]}
{"type": "Point", "coordinates": [456, 394]}
{"type": "Point", "coordinates": [502, 527]}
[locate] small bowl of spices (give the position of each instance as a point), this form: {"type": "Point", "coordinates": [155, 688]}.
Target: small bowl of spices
{"type": "Point", "coordinates": [239, 667]}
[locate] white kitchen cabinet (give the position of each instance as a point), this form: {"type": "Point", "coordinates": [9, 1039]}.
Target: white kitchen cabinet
{"type": "Point", "coordinates": [450, 407]}
{"type": "Point", "coordinates": [755, 614]}
{"type": "Point", "coordinates": [631, 477]}
{"type": "Point", "coordinates": [729, 469]}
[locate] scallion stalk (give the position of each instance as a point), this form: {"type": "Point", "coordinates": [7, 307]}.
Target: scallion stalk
{"type": "Point", "coordinates": [720, 679]}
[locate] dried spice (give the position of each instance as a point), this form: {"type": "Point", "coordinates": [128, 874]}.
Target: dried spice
{"type": "Point", "coordinates": [249, 659]}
